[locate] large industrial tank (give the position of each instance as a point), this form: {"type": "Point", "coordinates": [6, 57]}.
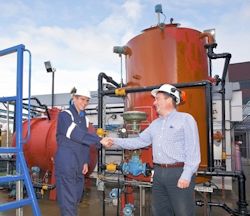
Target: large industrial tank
{"type": "Point", "coordinates": [169, 54]}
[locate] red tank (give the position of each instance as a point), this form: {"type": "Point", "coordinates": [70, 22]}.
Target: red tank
{"type": "Point", "coordinates": [169, 55]}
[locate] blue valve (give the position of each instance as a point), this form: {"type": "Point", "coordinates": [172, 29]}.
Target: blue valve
{"type": "Point", "coordinates": [114, 193]}
{"type": "Point", "coordinates": [128, 209]}
{"type": "Point", "coordinates": [134, 166]}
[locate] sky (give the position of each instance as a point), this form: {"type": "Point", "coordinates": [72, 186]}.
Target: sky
{"type": "Point", "coordinates": [78, 36]}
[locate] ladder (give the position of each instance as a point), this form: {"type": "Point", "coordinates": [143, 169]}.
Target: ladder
{"type": "Point", "coordinates": [22, 173]}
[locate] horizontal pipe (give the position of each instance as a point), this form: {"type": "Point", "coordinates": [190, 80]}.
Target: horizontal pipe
{"type": "Point", "coordinates": [94, 113]}
{"type": "Point", "coordinates": [107, 107]}
{"type": "Point", "coordinates": [9, 150]}
{"type": "Point", "coordinates": [15, 204]}
{"type": "Point", "coordinates": [11, 49]}
{"type": "Point", "coordinates": [220, 173]}
{"type": "Point", "coordinates": [41, 185]}
{"type": "Point", "coordinates": [127, 182]}
{"type": "Point", "coordinates": [221, 205]}
{"type": "Point", "coordinates": [11, 178]}
{"type": "Point", "coordinates": [40, 104]}
{"type": "Point", "coordinates": [7, 99]}
{"type": "Point", "coordinates": [114, 154]}
{"type": "Point", "coordinates": [150, 88]}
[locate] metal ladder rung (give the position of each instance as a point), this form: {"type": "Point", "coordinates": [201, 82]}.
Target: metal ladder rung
{"type": "Point", "coordinates": [6, 99]}
{"type": "Point", "coordinates": [15, 204]}
{"type": "Point", "coordinates": [9, 150]}
{"type": "Point", "coordinates": [11, 178]}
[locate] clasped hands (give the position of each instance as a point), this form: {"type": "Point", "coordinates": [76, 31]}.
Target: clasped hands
{"type": "Point", "coordinates": [107, 142]}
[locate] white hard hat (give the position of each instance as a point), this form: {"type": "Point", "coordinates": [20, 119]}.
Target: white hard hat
{"type": "Point", "coordinates": [172, 90]}
{"type": "Point", "coordinates": [80, 91]}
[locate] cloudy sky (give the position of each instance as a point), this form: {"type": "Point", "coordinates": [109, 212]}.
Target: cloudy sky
{"type": "Point", "coordinates": [78, 36]}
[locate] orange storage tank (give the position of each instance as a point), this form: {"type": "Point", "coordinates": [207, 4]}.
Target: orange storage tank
{"type": "Point", "coordinates": [169, 55]}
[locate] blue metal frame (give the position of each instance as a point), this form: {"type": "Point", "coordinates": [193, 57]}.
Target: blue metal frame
{"type": "Point", "coordinates": [21, 166]}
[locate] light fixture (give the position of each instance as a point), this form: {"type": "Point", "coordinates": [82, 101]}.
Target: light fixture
{"type": "Point", "coordinates": [211, 32]}
{"type": "Point", "coordinates": [121, 50]}
{"type": "Point", "coordinates": [49, 67]}
{"type": "Point", "coordinates": [52, 70]}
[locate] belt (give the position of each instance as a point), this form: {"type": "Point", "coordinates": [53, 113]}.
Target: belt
{"type": "Point", "coordinates": [177, 164]}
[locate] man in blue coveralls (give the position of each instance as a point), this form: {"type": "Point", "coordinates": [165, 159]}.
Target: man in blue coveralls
{"type": "Point", "coordinates": [72, 156]}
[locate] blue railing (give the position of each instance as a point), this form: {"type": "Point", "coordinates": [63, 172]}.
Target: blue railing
{"type": "Point", "coordinates": [22, 173]}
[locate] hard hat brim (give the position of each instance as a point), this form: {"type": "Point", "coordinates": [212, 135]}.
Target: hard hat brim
{"type": "Point", "coordinates": [154, 92]}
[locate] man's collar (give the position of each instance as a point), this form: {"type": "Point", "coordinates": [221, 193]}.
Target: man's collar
{"type": "Point", "coordinates": [168, 115]}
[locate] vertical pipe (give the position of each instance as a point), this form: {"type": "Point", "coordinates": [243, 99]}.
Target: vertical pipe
{"type": "Point", "coordinates": [238, 166]}
{"type": "Point", "coordinates": [8, 125]}
{"type": "Point", "coordinates": [53, 77]}
{"type": "Point", "coordinates": [121, 72]}
{"type": "Point", "coordinates": [20, 162]}
{"type": "Point", "coordinates": [142, 199]}
{"type": "Point", "coordinates": [210, 67]}
{"type": "Point", "coordinates": [100, 116]}
{"type": "Point", "coordinates": [242, 204]}
{"type": "Point", "coordinates": [158, 18]}
{"type": "Point", "coordinates": [100, 113]}
{"type": "Point", "coordinates": [18, 126]}
{"type": "Point", "coordinates": [223, 124]}
{"type": "Point", "coordinates": [0, 135]}
{"type": "Point", "coordinates": [8, 133]}
{"type": "Point", "coordinates": [209, 106]}
{"type": "Point", "coordinates": [14, 119]}
{"type": "Point", "coordinates": [223, 99]}
{"type": "Point", "coordinates": [118, 197]}
{"type": "Point", "coordinates": [100, 121]}
{"type": "Point", "coordinates": [227, 57]}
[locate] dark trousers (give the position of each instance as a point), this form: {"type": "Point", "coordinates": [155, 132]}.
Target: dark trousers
{"type": "Point", "coordinates": [69, 193]}
{"type": "Point", "coordinates": [167, 198]}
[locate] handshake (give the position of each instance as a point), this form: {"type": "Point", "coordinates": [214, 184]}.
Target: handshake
{"type": "Point", "coordinates": [107, 142]}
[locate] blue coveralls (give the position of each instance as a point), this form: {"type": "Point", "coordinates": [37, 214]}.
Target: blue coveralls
{"type": "Point", "coordinates": [73, 140]}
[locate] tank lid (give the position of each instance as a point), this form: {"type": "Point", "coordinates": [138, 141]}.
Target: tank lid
{"type": "Point", "coordinates": [162, 26]}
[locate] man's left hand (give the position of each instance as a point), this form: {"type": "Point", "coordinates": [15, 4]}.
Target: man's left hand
{"type": "Point", "coordinates": [183, 183]}
{"type": "Point", "coordinates": [85, 169]}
